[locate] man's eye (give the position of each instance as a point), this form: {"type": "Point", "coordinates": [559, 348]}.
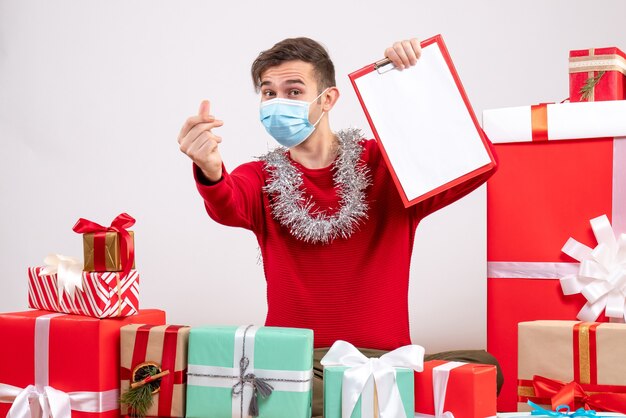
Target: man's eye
{"type": "Point", "coordinates": [294, 92]}
{"type": "Point", "coordinates": [268, 93]}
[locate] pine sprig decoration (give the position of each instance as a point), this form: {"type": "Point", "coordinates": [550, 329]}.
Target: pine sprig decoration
{"type": "Point", "coordinates": [139, 400]}
{"type": "Point", "coordinates": [587, 89]}
{"type": "Point", "coordinates": [139, 397]}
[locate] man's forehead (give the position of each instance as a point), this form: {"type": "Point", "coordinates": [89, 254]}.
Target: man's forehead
{"type": "Point", "coordinates": [289, 71]}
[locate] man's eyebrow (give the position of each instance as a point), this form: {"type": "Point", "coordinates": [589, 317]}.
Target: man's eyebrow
{"type": "Point", "coordinates": [294, 81]}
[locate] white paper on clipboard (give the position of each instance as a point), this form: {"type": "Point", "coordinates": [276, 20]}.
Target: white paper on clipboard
{"type": "Point", "coordinates": [423, 123]}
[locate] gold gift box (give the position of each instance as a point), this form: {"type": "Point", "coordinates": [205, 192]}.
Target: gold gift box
{"type": "Point", "coordinates": [112, 253]}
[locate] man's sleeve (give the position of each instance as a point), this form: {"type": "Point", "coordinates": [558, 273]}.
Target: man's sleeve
{"type": "Point", "coordinates": [236, 199]}
{"type": "Point", "coordinates": [453, 194]}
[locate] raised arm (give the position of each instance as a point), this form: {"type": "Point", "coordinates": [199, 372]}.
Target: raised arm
{"type": "Point", "coordinates": [233, 199]}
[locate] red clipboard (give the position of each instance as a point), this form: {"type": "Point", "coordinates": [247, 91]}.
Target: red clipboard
{"type": "Point", "coordinates": [389, 106]}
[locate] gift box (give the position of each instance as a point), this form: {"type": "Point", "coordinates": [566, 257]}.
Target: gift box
{"type": "Point", "coordinates": [578, 364]}
{"type": "Point", "coordinates": [101, 295]}
{"type": "Point", "coordinates": [147, 350]}
{"type": "Point", "coordinates": [597, 74]}
{"type": "Point", "coordinates": [466, 390]}
{"type": "Point", "coordinates": [358, 387]}
{"type": "Point", "coordinates": [67, 364]}
{"type": "Point", "coordinates": [108, 248]}
{"type": "Point", "coordinates": [333, 378]}
{"type": "Point", "coordinates": [546, 190]}
{"type": "Point", "coordinates": [237, 371]}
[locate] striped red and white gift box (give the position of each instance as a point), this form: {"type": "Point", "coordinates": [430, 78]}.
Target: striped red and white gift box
{"type": "Point", "coordinates": [103, 294]}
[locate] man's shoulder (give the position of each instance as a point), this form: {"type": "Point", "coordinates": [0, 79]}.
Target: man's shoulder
{"type": "Point", "coordinates": [251, 169]}
{"type": "Point", "coordinates": [371, 151]}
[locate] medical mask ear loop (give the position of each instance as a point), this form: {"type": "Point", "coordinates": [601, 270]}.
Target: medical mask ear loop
{"type": "Point", "coordinates": [323, 111]}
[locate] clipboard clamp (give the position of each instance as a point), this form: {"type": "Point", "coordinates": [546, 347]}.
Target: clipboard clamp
{"type": "Point", "coordinates": [382, 66]}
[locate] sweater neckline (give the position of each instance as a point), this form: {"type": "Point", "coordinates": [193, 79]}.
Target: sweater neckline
{"type": "Point", "coordinates": [312, 171]}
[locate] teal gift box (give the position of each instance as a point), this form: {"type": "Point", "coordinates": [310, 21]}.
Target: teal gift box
{"type": "Point", "coordinates": [333, 382]}
{"type": "Point", "coordinates": [231, 370]}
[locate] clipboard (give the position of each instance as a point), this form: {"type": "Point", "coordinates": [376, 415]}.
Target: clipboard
{"type": "Point", "coordinates": [423, 122]}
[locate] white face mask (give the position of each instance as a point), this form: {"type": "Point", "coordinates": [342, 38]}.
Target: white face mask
{"type": "Point", "coordinates": [287, 120]}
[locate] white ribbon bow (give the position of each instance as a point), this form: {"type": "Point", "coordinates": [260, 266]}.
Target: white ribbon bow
{"type": "Point", "coordinates": [49, 402]}
{"type": "Point", "coordinates": [601, 277]}
{"type": "Point", "coordinates": [69, 271]}
{"type": "Point", "coordinates": [382, 369]}
{"type": "Point", "coordinates": [44, 403]}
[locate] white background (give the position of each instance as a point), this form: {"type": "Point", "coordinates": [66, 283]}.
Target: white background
{"type": "Point", "coordinates": [93, 94]}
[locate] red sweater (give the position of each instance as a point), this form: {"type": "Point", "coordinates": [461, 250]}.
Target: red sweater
{"type": "Point", "coordinates": [353, 289]}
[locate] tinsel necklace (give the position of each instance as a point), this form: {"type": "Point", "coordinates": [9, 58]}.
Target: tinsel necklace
{"type": "Point", "coordinates": [294, 211]}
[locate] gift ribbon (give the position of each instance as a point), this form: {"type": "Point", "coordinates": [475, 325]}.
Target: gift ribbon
{"type": "Point", "coordinates": [119, 225]}
{"type": "Point", "coordinates": [609, 62]}
{"type": "Point", "coordinates": [560, 411]}
{"type": "Point", "coordinates": [69, 271]}
{"type": "Point", "coordinates": [539, 122]}
{"type": "Point", "coordinates": [168, 362]}
{"type": "Point", "coordinates": [41, 400]}
{"type": "Point", "coordinates": [441, 376]}
{"type": "Point", "coordinates": [246, 381]}
{"type": "Point", "coordinates": [601, 277]}
{"type": "Point", "coordinates": [574, 395]}
{"type": "Point", "coordinates": [363, 371]}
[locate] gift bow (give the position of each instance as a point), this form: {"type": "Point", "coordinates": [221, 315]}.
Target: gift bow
{"type": "Point", "coordinates": [69, 271]}
{"type": "Point", "coordinates": [573, 395]}
{"type": "Point", "coordinates": [260, 387]}
{"type": "Point", "coordinates": [601, 277]}
{"type": "Point", "coordinates": [382, 370]}
{"type": "Point", "coordinates": [119, 225]}
{"type": "Point", "coordinates": [560, 411]}
{"type": "Point", "coordinates": [49, 402]}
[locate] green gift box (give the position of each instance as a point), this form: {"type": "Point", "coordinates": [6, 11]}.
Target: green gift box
{"type": "Point", "coordinates": [333, 382]}
{"type": "Point", "coordinates": [233, 369]}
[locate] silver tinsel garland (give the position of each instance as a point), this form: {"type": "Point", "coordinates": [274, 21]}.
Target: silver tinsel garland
{"type": "Point", "coordinates": [293, 210]}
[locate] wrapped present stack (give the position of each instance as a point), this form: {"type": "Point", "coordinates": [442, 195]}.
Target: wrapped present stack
{"type": "Point", "coordinates": [62, 359]}
{"type": "Point", "coordinates": [107, 286]}
{"type": "Point", "coordinates": [561, 182]}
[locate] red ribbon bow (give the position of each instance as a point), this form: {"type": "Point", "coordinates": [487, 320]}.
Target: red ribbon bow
{"type": "Point", "coordinates": [119, 225]}
{"type": "Point", "coordinates": [574, 395]}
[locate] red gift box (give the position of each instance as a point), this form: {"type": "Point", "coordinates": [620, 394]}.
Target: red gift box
{"type": "Point", "coordinates": [543, 193]}
{"type": "Point", "coordinates": [469, 390]}
{"type": "Point", "coordinates": [57, 359]}
{"type": "Point", "coordinates": [601, 71]}
{"type": "Point", "coordinates": [103, 295]}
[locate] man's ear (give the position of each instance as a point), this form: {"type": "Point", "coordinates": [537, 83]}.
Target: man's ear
{"type": "Point", "coordinates": [330, 98]}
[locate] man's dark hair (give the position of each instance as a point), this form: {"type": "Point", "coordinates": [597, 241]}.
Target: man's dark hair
{"type": "Point", "coordinates": [293, 49]}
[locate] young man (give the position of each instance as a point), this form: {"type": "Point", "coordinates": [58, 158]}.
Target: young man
{"type": "Point", "coordinates": [335, 238]}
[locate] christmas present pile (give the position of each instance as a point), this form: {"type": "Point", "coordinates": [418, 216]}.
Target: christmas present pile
{"type": "Point", "coordinates": [63, 358]}
{"type": "Point", "coordinates": [560, 167]}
